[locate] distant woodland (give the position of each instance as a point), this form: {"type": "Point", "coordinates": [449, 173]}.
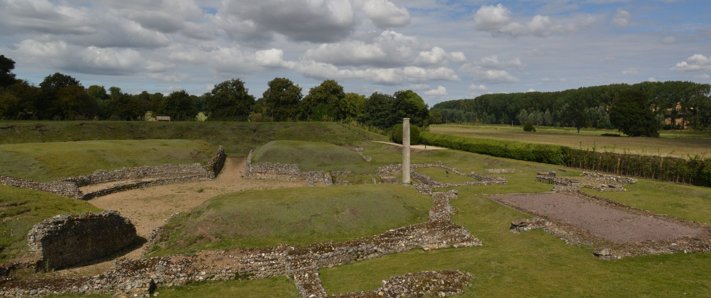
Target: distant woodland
{"type": "Point", "coordinates": [636, 110]}
{"type": "Point", "coordinates": [639, 109]}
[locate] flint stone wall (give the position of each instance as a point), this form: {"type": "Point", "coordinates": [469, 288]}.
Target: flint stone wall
{"type": "Point", "coordinates": [285, 172]}
{"type": "Point", "coordinates": [62, 188]}
{"type": "Point", "coordinates": [66, 240]}
{"type": "Point", "coordinates": [139, 177]}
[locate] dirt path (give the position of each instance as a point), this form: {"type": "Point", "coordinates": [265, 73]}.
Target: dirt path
{"type": "Point", "coordinates": [414, 147]}
{"type": "Point", "coordinates": [601, 220]}
{"type": "Point", "coordinates": [150, 208]}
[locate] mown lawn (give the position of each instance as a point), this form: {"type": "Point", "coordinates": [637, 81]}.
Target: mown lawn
{"type": "Point", "coordinates": [310, 156]}
{"type": "Point", "coordinates": [532, 264]}
{"type": "Point", "coordinates": [20, 209]}
{"type": "Point", "coordinates": [671, 143]}
{"type": "Point", "coordinates": [293, 216]}
{"type": "Point", "coordinates": [237, 137]}
{"type": "Point", "coordinates": [54, 160]}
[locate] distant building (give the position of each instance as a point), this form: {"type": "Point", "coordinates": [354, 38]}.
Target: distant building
{"type": "Point", "coordinates": [163, 118]}
{"type": "Point", "coordinates": [675, 117]}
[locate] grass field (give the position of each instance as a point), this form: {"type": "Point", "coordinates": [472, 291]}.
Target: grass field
{"type": "Point", "coordinates": [54, 160]}
{"type": "Point", "coordinates": [671, 143]}
{"type": "Point", "coordinates": [20, 209]}
{"type": "Point", "coordinates": [294, 216]}
{"type": "Point", "coordinates": [309, 156]}
{"type": "Point", "coordinates": [237, 137]}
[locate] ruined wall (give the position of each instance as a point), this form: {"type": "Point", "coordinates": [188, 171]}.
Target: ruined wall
{"type": "Point", "coordinates": [63, 241]}
{"type": "Point", "coordinates": [217, 162]}
{"type": "Point", "coordinates": [62, 188]}
{"type": "Point", "coordinates": [285, 172]}
{"type": "Point", "coordinates": [138, 177]}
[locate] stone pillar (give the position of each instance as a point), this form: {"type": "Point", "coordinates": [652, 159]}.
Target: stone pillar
{"type": "Point", "coordinates": [406, 150]}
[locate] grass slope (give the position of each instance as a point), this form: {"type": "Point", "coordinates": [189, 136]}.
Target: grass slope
{"type": "Point", "coordinates": [272, 287]}
{"type": "Point", "coordinates": [309, 155]}
{"type": "Point", "coordinates": [532, 264]}
{"type": "Point", "coordinates": [20, 209]}
{"type": "Point", "coordinates": [293, 216]}
{"type": "Point", "coordinates": [237, 137]}
{"type": "Point", "coordinates": [49, 161]}
{"type": "Point", "coordinates": [671, 143]}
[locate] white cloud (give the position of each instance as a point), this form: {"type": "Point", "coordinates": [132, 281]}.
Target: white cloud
{"type": "Point", "coordinates": [622, 18]}
{"type": "Point", "coordinates": [630, 71]}
{"type": "Point", "coordinates": [389, 49]}
{"type": "Point", "coordinates": [270, 57]}
{"type": "Point", "coordinates": [439, 91]}
{"type": "Point", "coordinates": [497, 20]}
{"type": "Point", "coordinates": [496, 76]}
{"type": "Point", "coordinates": [477, 90]}
{"type": "Point", "coordinates": [299, 20]}
{"type": "Point", "coordinates": [696, 62]}
{"type": "Point", "coordinates": [385, 14]}
{"type": "Point", "coordinates": [90, 60]}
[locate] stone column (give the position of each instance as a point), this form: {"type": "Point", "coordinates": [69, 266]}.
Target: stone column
{"type": "Point", "coordinates": [406, 150]}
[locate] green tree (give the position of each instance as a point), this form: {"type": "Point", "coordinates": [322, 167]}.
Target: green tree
{"type": "Point", "coordinates": [631, 114]}
{"type": "Point", "coordinates": [281, 100]}
{"type": "Point", "coordinates": [7, 78]}
{"type": "Point", "coordinates": [378, 111]}
{"type": "Point", "coordinates": [410, 104]}
{"type": "Point", "coordinates": [575, 116]}
{"type": "Point", "coordinates": [18, 101]}
{"type": "Point", "coordinates": [180, 106]}
{"type": "Point", "coordinates": [48, 105]}
{"type": "Point", "coordinates": [229, 100]}
{"type": "Point", "coordinates": [325, 102]}
{"type": "Point", "coordinates": [75, 104]}
{"type": "Point", "coordinates": [355, 106]}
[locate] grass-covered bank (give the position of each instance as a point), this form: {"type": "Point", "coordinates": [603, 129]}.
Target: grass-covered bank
{"type": "Point", "coordinates": [237, 137]}
{"type": "Point", "coordinates": [537, 264]}
{"type": "Point", "coordinates": [693, 171]}
{"type": "Point", "coordinates": [293, 216]}
{"type": "Point", "coordinates": [674, 143]}
{"type": "Point", "coordinates": [20, 209]}
{"type": "Point", "coordinates": [55, 160]}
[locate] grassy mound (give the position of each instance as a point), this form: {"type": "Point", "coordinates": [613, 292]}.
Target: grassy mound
{"type": "Point", "coordinates": [293, 216]}
{"type": "Point", "coordinates": [20, 209]}
{"type": "Point", "coordinates": [237, 137]}
{"type": "Point", "coordinates": [309, 155]}
{"type": "Point", "coordinates": [49, 161]}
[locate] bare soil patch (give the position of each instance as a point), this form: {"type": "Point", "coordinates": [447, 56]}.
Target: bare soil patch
{"type": "Point", "coordinates": [150, 208]}
{"type": "Point", "coordinates": [611, 223]}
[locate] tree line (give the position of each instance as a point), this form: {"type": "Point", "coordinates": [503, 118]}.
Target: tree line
{"type": "Point", "coordinates": [639, 109]}
{"type": "Point", "coordinates": [62, 97]}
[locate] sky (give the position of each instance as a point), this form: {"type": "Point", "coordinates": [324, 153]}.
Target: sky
{"type": "Point", "coordinates": [442, 49]}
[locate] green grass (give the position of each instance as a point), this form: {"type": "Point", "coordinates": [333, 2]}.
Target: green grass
{"type": "Point", "coordinates": [237, 137]}
{"type": "Point", "coordinates": [50, 161]}
{"type": "Point", "coordinates": [444, 176]}
{"type": "Point", "coordinates": [272, 287]}
{"type": "Point", "coordinates": [530, 264]}
{"type": "Point", "coordinates": [680, 201]}
{"type": "Point", "coordinates": [299, 217]}
{"type": "Point", "coordinates": [20, 209]}
{"type": "Point", "coordinates": [309, 156]}
{"type": "Point", "coordinates": [671, 143]}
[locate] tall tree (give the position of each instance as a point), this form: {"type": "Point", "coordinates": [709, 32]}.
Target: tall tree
{"type": "Point", "coordinates": [379, 110]}
{"type": "Point", "coordinates": [281, 100]}
{"type": "Point", "coordinates": [229, 100]}
{"type": "Point", "coordinates": [355, 106]}
{"type": "Point", "coordinates": [410, 104]}
{"type": "Point", "coordinates": [631, 114]}
{"type": "Point", "coordinates": [6, 75]}
{"type": "Point", "coordinates": [324, 102]}
{"type": "Point", "coordinates": [180, 106]}
{"type": "Point", "coordinates": [48, 105]}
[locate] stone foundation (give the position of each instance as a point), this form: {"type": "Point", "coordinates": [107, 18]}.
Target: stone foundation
{"type": "Point", "coordinates": [132, 178]}
{"type": "Point", "coordinates": [63, 241]}
{"type": "Point", "coordinates": [285, 172]}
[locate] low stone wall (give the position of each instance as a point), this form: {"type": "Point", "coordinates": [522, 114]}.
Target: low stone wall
{"type": "Point", "coordinates": [135, 176]}
{"type": "Point", "coordinates": [62, 188]}
{"type": "Point", "coordinates": [285, 172]}
{"type": "Point", "coordinates": [63, 241]}
{"type": "Point", "coordinates": [592, 180]}
{"type": "Point", "coordinates": [419, 284]}
{"type": "Point", "coordinates": [217, 162]}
